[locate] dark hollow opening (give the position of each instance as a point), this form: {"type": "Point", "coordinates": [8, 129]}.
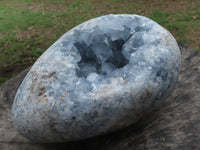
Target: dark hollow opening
{"type": "Point", "coordinates": [102, 56]}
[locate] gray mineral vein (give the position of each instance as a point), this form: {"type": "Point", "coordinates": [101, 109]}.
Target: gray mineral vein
{"type": "Point", "coordinates": [101, 76]}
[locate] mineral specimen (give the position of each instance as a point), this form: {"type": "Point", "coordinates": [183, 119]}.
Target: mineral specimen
{"type": "Point", "coordinates": [101, 76]}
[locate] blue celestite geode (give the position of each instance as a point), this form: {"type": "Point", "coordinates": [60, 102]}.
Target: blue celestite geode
{"type": "Point", "coordinates": [101, 76]}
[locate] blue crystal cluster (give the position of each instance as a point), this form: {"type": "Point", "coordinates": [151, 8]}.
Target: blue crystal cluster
{"type": "Point", "coordinates": [101, 76]}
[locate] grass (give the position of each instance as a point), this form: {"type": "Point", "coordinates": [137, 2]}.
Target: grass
{"type": "Point", "coordinates": [29, 27]}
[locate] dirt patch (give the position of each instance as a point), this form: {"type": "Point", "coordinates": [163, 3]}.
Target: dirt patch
{"type": "Point", "coordinates": [35, 6]}
{"type": "Point", "coordinates": [32, 32]}
{"type": "Point", "coordinates": [170, 5]}
{"type": "Point", "coordinates": [27, 34]}
{"type": "Point", "coordinates": [43, 6]}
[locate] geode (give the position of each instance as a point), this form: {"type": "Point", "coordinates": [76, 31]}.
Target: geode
{"type": "Point", "coordinates": [101, 76]}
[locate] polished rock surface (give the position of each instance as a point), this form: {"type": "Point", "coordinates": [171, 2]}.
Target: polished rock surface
{"type": "Point", "coordinates": [101, 76]}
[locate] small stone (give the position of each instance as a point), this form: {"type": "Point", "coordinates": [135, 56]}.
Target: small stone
{"type": "Point", "coordinates": [101, 76]}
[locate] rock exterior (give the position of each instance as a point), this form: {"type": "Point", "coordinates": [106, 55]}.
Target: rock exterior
{"type": "Point", "coordinates": [174, 125]}
{"type": "Point", "coordinates": [101, 76]}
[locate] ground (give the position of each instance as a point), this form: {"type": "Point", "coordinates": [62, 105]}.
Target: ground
{"type": "Point", "coordinates": [29, 27]}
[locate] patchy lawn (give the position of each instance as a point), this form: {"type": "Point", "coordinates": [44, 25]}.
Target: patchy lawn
{"type": "Point", "coordinates": [29, 27]}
